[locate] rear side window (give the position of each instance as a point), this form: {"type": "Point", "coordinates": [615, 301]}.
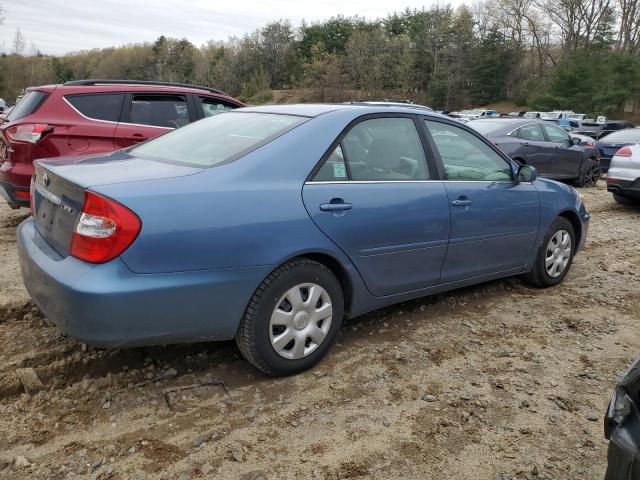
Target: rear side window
{"type": "Point", "coordinates": [531, 132]}
{"type": "Point", "coordinates": [29, 104]}
{"type": "Point", "coordinates": [169, 111]}
{"type": "Point", "coordinates": [218, 139]}
{"type": "Point", "coordinates": [105, 106]}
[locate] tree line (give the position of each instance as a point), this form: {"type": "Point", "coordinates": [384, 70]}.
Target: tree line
{"type": "Point", "coordinates": [568, 54]}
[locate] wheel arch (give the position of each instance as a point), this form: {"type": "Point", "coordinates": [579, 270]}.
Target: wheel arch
{"type": "Point", "coordinates": [338, 269]}
{"type": "Point", "coordinates": [575, 223]}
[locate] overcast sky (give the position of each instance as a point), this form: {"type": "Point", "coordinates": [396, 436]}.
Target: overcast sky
{"type": "Point", "coordinates": [62, 26]}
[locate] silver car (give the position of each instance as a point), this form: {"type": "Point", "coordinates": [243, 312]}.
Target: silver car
{"type": "Point", "coordinates": [623, 178]}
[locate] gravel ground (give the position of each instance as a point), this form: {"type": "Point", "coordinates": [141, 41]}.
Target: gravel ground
{"type": "Point", "coordinates": [497, 381]}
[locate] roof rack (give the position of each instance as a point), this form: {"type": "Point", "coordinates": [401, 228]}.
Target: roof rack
{"type": "Point", "coordinates": [76, 83]}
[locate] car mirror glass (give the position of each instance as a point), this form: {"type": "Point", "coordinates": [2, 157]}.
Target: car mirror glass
{"type": "Point", "coordinates": [527, 173]}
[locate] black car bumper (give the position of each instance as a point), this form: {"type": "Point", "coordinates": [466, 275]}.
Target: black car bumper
{"type": "Point", "coordinates": [8, 192]}
{"type": "Point", "coordinates": [621, 465]}
{"type": "Point", "coordinates": [628, 188]}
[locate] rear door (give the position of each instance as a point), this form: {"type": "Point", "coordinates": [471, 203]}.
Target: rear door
{"type": "Point", "coordinates": [99, 114]}
{"type": "Point", "coordinates": [147, 115]}
{"type": "Point", "coordinates": [374, 196]}
{"type": "Point", "coordinates": [566, 158]}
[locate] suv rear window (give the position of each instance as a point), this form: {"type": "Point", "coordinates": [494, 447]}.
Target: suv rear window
{"type": "Point", "coordinates": [103, 106]}
{"type": "Point", "coordinates": [218, 139]}
{"type": "Point", "coordinates": [27, 105]}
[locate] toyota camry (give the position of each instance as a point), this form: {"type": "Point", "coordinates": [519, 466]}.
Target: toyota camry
{"type": "Point", "coordinates": [272, 224]}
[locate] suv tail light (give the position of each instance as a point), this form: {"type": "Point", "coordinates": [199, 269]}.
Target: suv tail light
{"type": "Point", "coordinates": [32, 198]}
{"type": "Point", "coordinates": [624, 152]}
{"type": "Point", "coordinates": [104, 230]}
{"type": "Point", "coordinates": [27, 132]}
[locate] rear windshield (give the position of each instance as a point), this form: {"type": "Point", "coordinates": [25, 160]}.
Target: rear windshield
{"type": "Point", "coordinates": [486, 126]}
{"type": "Point", "coordinates": [624, 136]}
{"type": "Point", "coordinates": [218, 139]}
{"type": "Point", "coordinates": [28, 105]}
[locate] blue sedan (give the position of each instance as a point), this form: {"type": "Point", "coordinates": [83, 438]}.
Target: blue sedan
{"type": "Point", "coordinates": [271, 224]}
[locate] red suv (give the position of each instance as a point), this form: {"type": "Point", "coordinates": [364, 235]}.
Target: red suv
{"type": "Point", "coordinates": [94, 116]}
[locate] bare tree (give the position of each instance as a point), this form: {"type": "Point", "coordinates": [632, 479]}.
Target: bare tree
{"type": "Point", "coordinates": [18, 43]}
{"type": "Point", "coordinates": [629, 34]}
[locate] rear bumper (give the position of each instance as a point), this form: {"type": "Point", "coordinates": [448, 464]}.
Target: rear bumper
{"type": "Point", "coordinates": [9, 192]}
{"type": "Point", "coordinates": [109, 305]}
{"type": "Point", "coordinates": [628, 188]}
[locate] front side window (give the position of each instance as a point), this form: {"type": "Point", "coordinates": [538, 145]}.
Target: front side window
{"type": "Point", "coordinates": [168, 111]}
{"type": "Point", "coordinates": [218, 139]}
{"type": "Point", "coordinates": [531, 132]}
{"type": "Point", "coordinates": [103, 106]}
{"type": "Point", "coordinates": [380, 149]}
{"type": "Point", "coordinates": [556, 135]}
{"type": "Point", "coordinates": [211, 106]}
{"type": "Point", "coordinates": [465, 156]}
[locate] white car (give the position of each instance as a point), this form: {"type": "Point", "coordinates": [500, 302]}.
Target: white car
{"type": "Point", "coordinates": [3, 105]}
{"type": "Point", "coordinates": [623, 177]}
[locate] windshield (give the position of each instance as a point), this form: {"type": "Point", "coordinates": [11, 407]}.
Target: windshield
{"type": "Point", "coordinates": [531, 115]}
{"type": "Point", "coordinates": [27, 105]}
{"type": "Point", "coordinates": [548, 115]}
{"type": "Point", "coordinates": [218, 139]}
{"type": "Point", "coordinates": [631, 135]}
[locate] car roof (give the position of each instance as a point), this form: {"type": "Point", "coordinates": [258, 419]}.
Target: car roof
{"type": "Point", "coordinates": [316, 109]}
{"type": "Point", "coordinates": [107, 87]}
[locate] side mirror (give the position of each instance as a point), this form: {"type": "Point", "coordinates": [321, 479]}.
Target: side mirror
{"type": "Point", "coordinates": [575, 141]}
{"type": "Point", "coordinates": [527, 173]}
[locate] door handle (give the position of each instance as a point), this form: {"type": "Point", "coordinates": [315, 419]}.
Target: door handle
{"type": "Point", "coordinates": [336, 205]}
{"type": "Point", "coordinates": [526, 144]}
{"type": "Point", "coordinates": [137, 137]}
{"type": "Point", "coordinates": [461, 202]}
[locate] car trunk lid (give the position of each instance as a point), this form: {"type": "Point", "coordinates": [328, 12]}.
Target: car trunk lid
{"type": "Point", "coordinates": [59, 188]}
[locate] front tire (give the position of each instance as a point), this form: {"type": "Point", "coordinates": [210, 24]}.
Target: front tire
{"type": "Point", "coordinates": [292, 319]}
{"type": "Point", "coordinates": [590, 173]}
{"type": "Point", "coordinates": [555, 257]}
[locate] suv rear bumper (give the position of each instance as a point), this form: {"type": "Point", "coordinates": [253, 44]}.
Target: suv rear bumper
{"type": "Point", "coordinates": [9, 192]}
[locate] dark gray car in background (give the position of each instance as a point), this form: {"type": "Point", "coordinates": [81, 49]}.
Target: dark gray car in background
{"type": "Point", "coordinates": [546, 146]}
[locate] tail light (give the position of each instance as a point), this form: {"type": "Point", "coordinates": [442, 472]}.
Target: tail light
{"type": "Point", "coordinates": [624, 152]}
{"type": "Point", "coordinates": [27, 132]}
{"type": "Point", "coordinates": [104, 230]}
{"type": "Point", "coordinates": [32, 196]}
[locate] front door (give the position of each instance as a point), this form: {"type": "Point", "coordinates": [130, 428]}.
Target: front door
{"type": "Point", "coordinates": [494, 220]}
{"type": "Point", "coordinates": [373, 197]}
{"type": "Point", "coordinates": [566, 158]}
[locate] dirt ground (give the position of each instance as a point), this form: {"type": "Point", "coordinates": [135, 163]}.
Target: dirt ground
{"type": "Point", "coordinates": [498, 381]}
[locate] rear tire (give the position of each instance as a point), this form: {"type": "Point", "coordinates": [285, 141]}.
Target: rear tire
{"type": "Point", "coordinates": [590, 173]}
{"type": "Point", "coordinates": [622, 200]}
{"type": "Point", "coordinates": [553, 260]}
{"type": "Point", "coordinates": [292, 319]}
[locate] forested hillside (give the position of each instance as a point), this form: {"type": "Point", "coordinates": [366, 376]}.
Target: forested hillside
{"type": "Point", "coordinates": [578, 54]}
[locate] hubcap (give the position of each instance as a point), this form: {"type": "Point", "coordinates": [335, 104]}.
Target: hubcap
{"type": "Point", "coordinates": [558, 253]}
{"type": "Point", "coordinates": [301, 321]}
